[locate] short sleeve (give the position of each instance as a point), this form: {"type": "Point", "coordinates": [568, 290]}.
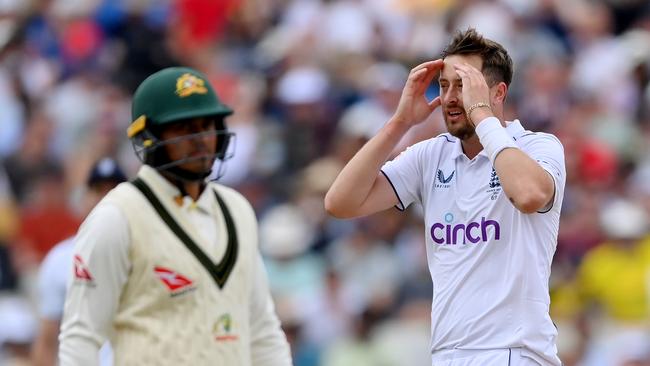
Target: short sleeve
{"type": "Point", "coordinates": [404, 174]}
{"type": "Point", "coordinates": [548, 152]}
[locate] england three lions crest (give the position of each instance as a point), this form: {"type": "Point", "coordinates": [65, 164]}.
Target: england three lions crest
{"type": "Point", "coordinates": [494, 185]}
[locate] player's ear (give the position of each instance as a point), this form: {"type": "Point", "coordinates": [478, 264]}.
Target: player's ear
{"type": "Point", "coordinates": [500, 92]}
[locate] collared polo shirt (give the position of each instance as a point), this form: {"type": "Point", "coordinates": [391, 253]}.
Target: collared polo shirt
{"type": "Point", "coordinates": [489, 262]}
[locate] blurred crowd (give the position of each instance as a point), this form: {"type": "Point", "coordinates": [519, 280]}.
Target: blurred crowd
{"type": "Point", "coordinates": [310, 81]}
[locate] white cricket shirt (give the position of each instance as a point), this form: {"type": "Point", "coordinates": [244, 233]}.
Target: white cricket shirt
{"type": "Point", "coordinates": [105, 259]}
{"type": "Point", "coordinates": [489, 262]}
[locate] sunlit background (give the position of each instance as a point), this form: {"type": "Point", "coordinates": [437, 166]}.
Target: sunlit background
{"type": "Point", "coordinates": [311, 81]}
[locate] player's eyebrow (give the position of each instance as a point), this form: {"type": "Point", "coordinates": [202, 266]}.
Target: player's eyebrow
{"type": "Point", "coordinates": [458, 79]}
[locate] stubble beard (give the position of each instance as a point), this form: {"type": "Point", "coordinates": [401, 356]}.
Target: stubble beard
{"type": "Point", "coordinates": [201, 165]}
{"type": "Point", "coordinates": [463, 132]}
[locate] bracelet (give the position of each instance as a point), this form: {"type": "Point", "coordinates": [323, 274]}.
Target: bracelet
{"type": "Point", "coordinates": [473, 107]}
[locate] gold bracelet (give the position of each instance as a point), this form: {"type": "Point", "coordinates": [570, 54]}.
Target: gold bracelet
{"type": "Point", "coordinates": [473, 107]}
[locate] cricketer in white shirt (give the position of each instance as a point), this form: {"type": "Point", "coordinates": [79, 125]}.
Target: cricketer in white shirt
{"type": "Point", "coordinates": [491, 193]}
{"type": "Point", "coordinates": [489, 262]}
{"type": "Point", "coordinates": [167, 266]}
{"type": "Point", "coordinates": [114, 276]}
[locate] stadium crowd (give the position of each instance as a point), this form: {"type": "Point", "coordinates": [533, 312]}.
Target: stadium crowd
{"type": "Point", "coordinates": [310, 81]}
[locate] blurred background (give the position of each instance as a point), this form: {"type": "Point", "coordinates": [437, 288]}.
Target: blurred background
{"type": "Point", "coordinates": [311, 81]}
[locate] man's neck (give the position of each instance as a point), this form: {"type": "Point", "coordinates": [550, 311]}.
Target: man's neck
{"type": "Point", "coordinates": [189, 188]}
{"type": "Point", "coordinates": [471, 146]}
{"type": "Point", "coordinates": [193, 189]}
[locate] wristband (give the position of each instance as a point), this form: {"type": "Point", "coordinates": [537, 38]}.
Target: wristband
{"type": "Point", "coordinates": [493, 137]}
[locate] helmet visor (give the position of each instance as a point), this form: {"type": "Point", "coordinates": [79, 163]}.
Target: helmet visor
{"type": "Point", "coordinates": [147, 146]}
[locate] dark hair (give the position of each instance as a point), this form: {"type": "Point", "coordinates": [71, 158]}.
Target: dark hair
{"type": "Point", "coordinates": [497, 64]}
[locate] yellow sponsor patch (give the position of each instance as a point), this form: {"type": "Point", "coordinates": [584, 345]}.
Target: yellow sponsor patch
{"type": "Point", "coordinates": [189, 84]}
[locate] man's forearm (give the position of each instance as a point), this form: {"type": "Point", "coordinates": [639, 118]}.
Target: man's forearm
{"type": "Point", "coordinates": [45, 347]}
{"type": "Point", "coordinates": [352, 186]}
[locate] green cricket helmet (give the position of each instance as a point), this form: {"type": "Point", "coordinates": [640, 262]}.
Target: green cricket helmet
{"type": "Point", "coordinates": [175, 95]}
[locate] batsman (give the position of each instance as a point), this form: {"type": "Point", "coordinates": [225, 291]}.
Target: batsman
{"type": "Point", "coordinates": [167, 266]}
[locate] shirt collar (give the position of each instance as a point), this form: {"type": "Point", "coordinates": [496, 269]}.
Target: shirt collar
{"type": "Point", "coordinates": [458, 147]}
{"type": "Point", "coordinates": [169, 191]}
{"type": "Point", "coordinates": [514, 129]}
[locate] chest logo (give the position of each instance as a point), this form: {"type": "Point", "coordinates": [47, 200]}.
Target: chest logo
{"type": "Point", "coordinates": [475, 232]}
{"type": "Point", "coordinates": [176, 283]}
{"type": "Point", "coordinates": [443, 182]}
{"type": "Point", "coordinates": [223, 329]}
{"type": "Point", "coordinates": [494, 185]}
{"type": "Point", "coordinates": [442, 179]}
{"type": "Point", "coordinates": [494, 179]}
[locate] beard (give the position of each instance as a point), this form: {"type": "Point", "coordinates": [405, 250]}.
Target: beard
{"type": "Point", "coordinates": [461, 129]}
{"type": "Point", "coordinates": [198, 164]}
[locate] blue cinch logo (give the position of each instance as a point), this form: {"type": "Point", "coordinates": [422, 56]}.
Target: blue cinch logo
{"type": "Point", "coordinates": [474, 232]}
{"type": "Point", "coordinates": [442, 179]}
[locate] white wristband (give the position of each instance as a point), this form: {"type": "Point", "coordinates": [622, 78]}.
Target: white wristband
{"type": "Point", "coordinates": [493, 137]}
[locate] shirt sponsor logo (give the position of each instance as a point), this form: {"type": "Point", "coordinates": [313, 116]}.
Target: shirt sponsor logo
{"type": "Point", "coordinates": [223, 329]}
{"type": "Point", "coordinates": [81, 271]}
{"type": "Point", "coordinates": [176, 283]}
{"type": "Point", "coordinates": [473, 232]}
{"type": "Point", "coordinates": [443, 182]}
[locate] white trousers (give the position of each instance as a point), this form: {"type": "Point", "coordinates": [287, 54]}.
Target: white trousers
{"type": "Point", "coordinates": [496, 357]}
